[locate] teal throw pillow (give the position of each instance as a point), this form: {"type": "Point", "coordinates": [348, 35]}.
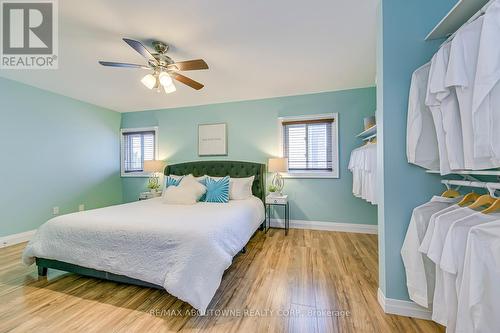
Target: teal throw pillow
{"type": "Point", "coordinates": [217, 190]}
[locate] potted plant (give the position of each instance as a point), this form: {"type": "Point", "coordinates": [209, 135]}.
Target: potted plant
{"type": "Point", "coordinates": [153, 184]}
{"type": "Point", "coordinates": [273, 190]}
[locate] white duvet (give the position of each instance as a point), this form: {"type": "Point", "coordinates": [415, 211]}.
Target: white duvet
{"type": "Point", "coordinates": [185, 249]}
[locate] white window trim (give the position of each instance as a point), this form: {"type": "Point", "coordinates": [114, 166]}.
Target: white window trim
{"type": "Point", "coordinates": [122, 150]}
{"type": "Point", "coordinates": [335, 145]}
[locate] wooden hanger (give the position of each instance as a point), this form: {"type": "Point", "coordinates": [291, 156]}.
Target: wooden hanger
{"type": "Point", "coordinates": [450, 194]}
{"type": "Point", "coordinates": [493, 208]}
{"type": "Point", "coordinates": [468, 199]}
{"type": "Point", "coordinates": [484, 200]}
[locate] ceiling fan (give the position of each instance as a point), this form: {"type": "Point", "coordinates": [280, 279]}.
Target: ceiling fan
{"type": "Point", "coordinates": [163, 67]}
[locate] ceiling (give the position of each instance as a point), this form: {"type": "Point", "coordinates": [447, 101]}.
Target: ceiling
{"type": "Point", "coordinates": [255, 49]}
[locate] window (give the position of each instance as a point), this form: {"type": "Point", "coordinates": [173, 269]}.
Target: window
{"type": "Point", "coordinates": [137, 145]}
{"type": "Point", "coordinates": [311, 146]}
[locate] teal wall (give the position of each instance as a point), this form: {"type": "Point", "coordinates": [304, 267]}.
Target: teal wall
{"type": "Point", "coordinates": [253, 136]}
{"type": "Point", "coordinates": [403, 26]}
{"type": "Point", "coordinates": [54, 151]}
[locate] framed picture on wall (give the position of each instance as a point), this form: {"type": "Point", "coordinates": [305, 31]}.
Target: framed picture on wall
{"type": "Point", "coordinates": [212, 139]}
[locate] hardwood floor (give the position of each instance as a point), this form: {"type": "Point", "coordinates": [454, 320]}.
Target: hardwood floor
{"type": "Point", "coordinates": [300, 280]}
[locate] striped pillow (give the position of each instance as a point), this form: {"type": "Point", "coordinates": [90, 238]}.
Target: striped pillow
{"type": "Point", "coordinates": [173, 180]}
{"type": "Point", "coordinates": [217, 190]}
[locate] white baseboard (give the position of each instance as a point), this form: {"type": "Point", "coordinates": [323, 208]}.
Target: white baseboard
{"type": "Point", "coordinates": [329, 226]}
{"type": "Point", "coordinates": [16, 238]}
{"type": "Point", "coordinates": [402, 308]}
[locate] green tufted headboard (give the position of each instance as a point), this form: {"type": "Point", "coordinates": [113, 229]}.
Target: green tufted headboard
{"type": "Point", "coordinates": [235, 169]}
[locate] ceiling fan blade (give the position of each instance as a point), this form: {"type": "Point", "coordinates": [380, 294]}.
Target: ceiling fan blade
{"type": "Point", "coordinates": [187, 81]}
{"type": "Point", "coordinates": [121, 64]}
{"type": "Point", "coordinates": [189, 65]}
{"type": "Point", "coordinates": [141, 49]}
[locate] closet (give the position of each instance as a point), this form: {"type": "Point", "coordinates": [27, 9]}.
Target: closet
{"type": "Point", "coordinates": [454, 100]}
{"type": "Point", "coordinates": [451, 251]}
{"type": "Point", "coordinates": [363, 164]}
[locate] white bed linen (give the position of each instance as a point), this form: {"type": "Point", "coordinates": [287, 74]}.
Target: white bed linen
{"type": "Point", "coordinates": [185, 249]}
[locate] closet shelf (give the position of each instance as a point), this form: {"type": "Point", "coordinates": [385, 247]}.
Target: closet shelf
{"type": "Point", "coordinates": [456, 17]}
{"type": "Point", "coordinates": [471, 172]}
{"type": "Point", "coordinates": [368, 133]}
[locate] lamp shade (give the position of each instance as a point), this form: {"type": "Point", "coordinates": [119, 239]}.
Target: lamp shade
{"type": "Point", "coordinates": [278, 165]}
{"type": "Point", "coordinates": [149, 81]}
{"type": "Point", "coordinates": [170, 88]}
{"type": "Point", "coordinates": [154, 166]}
{"type": "Point", "coordinates": [165, 79]}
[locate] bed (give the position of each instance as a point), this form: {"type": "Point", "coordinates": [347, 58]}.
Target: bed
{"type": "Point", "coordinates": [182, 249]}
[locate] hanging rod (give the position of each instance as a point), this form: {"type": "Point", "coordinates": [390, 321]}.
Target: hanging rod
{"type": "Point", "coordinates": [470, 172]}
{"type": "Point", "coordinates": [464, 183]}
{"type": "Point", "coordinates": [464, 10]}
{"type": "Point", "coordinates": [491, 187]}
{"type": "Point", "coordinates": [474, 17]}
{"type": "Point", "coordinates": [368, 138]}
{"type": "Point", "coordinates": [368, 132]}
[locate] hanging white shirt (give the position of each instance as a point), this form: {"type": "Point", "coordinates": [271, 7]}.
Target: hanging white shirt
{"type": "Point", "coordinates": [461, 74]}
{"type": "Point", "coordinates": [356, 172]}
{"type": "Point", "coordinates": [452, 260]}
{"type": "Point", "coordinates": [424, 248]}
{"type": "Point", "coordinates": [486, 99]}
{"type": "Point", "coordinates": [442, 225]}
{"type": "Point", "coordinates": [419, 270]}
{"type": "Point", "coordinates": [363, 165]}
{"type": "Point", "coordinates": [426, 241]}
{"type": "Point", "coordinates": [444, 108]}
{"type": "Point", "coordinates": [479, 298]}
{"type": "Point", "coordinates": [453, 254]}
{"type": "Point", "coordinates": [421, 139]}
{"type": "Point", "coordinates": [370, 173]}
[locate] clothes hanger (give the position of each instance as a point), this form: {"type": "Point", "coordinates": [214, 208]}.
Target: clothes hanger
{"type": "Point", "coordinates": [468, 199]}
{"type": "Point", "coordinates": [495, 206]}
{"type": "Point", "coordinates": [450, 193]}
{"type": "Point", "coordinates": [484, 200]}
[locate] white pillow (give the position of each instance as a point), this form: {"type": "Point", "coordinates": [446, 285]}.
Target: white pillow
{"type": "Point", "coordinates": [189, 183]}
{"type": "Point", "coordinates": [177, 195]}
{"type": "Point", "coordinates": [240, 188]}
{"type": "Point", "coordinates": [174, 177]}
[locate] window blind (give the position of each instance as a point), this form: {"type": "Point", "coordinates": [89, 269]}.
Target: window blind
{"type": "Point", "coordinates": [308, 144]}
{"type": "Point", "coordinates": [137, 148]}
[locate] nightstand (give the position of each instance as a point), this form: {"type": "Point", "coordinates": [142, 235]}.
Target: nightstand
{"type": "Point", "coordinates": [149, 195]}
{"type": "Point", "coordinates": [281, 201]}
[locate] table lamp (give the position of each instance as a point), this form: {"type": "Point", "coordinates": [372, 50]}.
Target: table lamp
{"type": "Point", "coordinates": [155, 167]}
{"type": "Point", "coordinates": [277, 165]}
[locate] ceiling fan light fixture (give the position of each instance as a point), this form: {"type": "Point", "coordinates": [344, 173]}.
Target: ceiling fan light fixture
{"type": "Point", "coordinates": [164, 69]}
{"type": "Point", "coordinates": [170, 88]}
{"type": "Point", "coordinates": [149, 81]}
{"type": "Point", "coordinates": [165, 79]}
